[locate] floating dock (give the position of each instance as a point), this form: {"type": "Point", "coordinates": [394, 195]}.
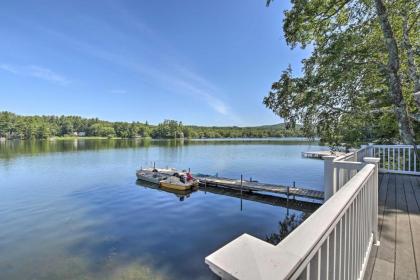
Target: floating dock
{"type": "Point", "coordinates": [253, 186]}
{"type": "Point", "coordinates": [320, 154]}
{"type": "Point", "coordinates": [300, 205]}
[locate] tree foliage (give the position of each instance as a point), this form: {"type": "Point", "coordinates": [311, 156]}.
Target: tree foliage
{"type": "Point", "coordinates": [13, 126]}
{"type": "Point", "coordinates": [348, 91]}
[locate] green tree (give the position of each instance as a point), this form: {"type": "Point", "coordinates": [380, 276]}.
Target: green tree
{"type": "Point", "coordinates": [43, 132]}
{"type": "Point", "coordinates": [361, 71]}
{"type": "Point", "coordinates": [104, 130]}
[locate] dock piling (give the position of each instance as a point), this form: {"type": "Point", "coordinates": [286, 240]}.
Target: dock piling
{"type": "Point", "coordinates": [241, 184]}
{"type": "Point", "coordinates": [241, 189]}
{"type": "Point", "coordinates": [294, 186]}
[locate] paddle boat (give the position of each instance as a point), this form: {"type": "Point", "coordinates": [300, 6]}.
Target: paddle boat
{"type": "Point", "coordinates": [180, 194]}
{"type": "Point", "coordinates": [150, 176]}
{"type": "Point", "coordinates": [179, 183]}
{"type": "Point", "coordinates": [164, 171]}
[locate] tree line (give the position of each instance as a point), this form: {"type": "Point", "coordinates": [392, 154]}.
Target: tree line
{"type": "Point", "coordinates": [13, 126]}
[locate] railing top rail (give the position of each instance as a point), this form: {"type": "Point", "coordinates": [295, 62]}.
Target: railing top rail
{"type": "Point", "coordinates": [308, 237]}
{"type": "Point", "coordinates": [391, 146]}
{"type": "Point", "coordinates": [250, 258]}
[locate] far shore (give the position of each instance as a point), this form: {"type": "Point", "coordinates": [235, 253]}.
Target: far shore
{"type": "Point", "coordinates": [63, 138]}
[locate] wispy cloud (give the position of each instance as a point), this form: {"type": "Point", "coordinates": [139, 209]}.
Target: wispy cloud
{"type": "Point", "coordinates": [169, 74]}
{"type": "Point", "coordinates": [199, 87]}
{"type": "Point", "coordinates": [171, 77]}
{"type": "Point", "coordinates": [35, 71]}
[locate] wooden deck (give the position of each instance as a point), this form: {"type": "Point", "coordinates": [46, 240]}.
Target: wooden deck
{"type": "Point", "coordinates": [398, 256]}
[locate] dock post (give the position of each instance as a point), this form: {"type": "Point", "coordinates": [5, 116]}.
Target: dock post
{"type": "Point", "coordinates": [241, 189]}
{"type": "Point", "coordinates": [154, 165]}
{"type": "Point", "coordinates": [294, 186]}
{"type": "Point", "coordinates": [241, 185]}
{"type": "Point", "coordinates": [370, 151]}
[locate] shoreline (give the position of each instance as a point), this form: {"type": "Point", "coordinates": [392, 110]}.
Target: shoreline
{"type": "Point", "coordinates": [64, 138]}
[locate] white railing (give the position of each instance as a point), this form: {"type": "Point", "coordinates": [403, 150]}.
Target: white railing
{"type": "Point", "coordinates": [399, 159]}
{"type": "Point", "coordinates": [339, 170]}
{"type": "Point", "coordinates": [333, 243]}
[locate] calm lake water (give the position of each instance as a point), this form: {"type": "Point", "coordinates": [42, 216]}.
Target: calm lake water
{"type": "Point", "coordinates": [73, 209]}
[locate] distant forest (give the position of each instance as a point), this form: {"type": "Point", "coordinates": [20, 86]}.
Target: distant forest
{"type": "Point", "coordinates": [13, 126]}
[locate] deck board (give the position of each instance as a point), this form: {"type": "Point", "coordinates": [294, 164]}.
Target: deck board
{"type": "Point", "coordinates": [383, 189]}
{"type": "Point", "coordinates": [398, 256]}
{"type": "Point", "coordinates": [405, 267]}
{"type": "Point", "coordinates": [413, 196]}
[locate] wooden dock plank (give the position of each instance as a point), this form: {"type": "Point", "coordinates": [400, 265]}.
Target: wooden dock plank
{"type": "Point", "coordinates": [405, 267]}
{"type": "Point", "coordinates": [320, 154]}
{"type": "Point", "coordinates": [303, 206]}
{"type": "Point", "coordinates": [260, 187]}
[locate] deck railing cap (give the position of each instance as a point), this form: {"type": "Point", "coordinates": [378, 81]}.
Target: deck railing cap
{"type": "Point", "coordinates": [371, 160]}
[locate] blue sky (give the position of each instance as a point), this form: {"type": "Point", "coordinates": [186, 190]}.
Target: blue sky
{"type": "Point", "coordinates": [200, 62]}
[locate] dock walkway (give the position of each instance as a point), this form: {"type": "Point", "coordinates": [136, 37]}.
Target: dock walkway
{"type": "Point", "coordinates": [320, 154]}
{"type": "Point", "coordinates": [253, 186]}
{"type": "Point", "coordinates": [398, 256]}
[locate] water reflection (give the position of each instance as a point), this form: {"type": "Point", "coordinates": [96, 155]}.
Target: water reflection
{"type": "Point", "coordinates": [10, 149]}
{"type": "Point", "coordinates": [74, 211]}
{"type": "Point", "coordinates": [286, 226]}
{"type": "Point", "coordinates": [180, 194]}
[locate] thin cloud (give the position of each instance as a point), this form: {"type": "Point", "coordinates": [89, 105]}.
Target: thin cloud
{"type": "Point", "coordinates": [35, 71]}
{"type": "Point", "coordinates": [170, 76]}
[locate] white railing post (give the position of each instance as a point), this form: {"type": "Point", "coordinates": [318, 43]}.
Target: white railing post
{"type": "Point", "coordinates": [374, 161]}
{"type": "Point", "coordinates": [354, 151]}
{"type": "Point", "coordinates": [370, 150]}
{"type": "Point", "coordinates": [329, 177]}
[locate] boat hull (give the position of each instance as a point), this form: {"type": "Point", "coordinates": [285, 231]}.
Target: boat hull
{"type": "Point", "coordinates": [151, 178]}
{"type": "Point", "coordinates": [179, 187]}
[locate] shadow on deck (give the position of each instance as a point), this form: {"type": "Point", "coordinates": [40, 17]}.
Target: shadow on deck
{"type": "Point", "coordinates": [398, 256]}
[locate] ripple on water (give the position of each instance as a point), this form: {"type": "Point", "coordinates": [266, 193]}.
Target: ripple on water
{"type": "Point", "coordinates": [81, 215]}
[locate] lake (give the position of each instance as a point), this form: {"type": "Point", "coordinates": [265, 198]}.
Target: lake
{"type": "Point", "coordinates": [73, 209]}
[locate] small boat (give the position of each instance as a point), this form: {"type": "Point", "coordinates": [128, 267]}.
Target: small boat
{"type": "Point", "coordinates": [165, 171]}
{"type": "Point", "coordinates": [175, 183]}
{"type": "Point", "coordinates": [180, 194]}
{"type": "Point", "coordinates": [150, 176]}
